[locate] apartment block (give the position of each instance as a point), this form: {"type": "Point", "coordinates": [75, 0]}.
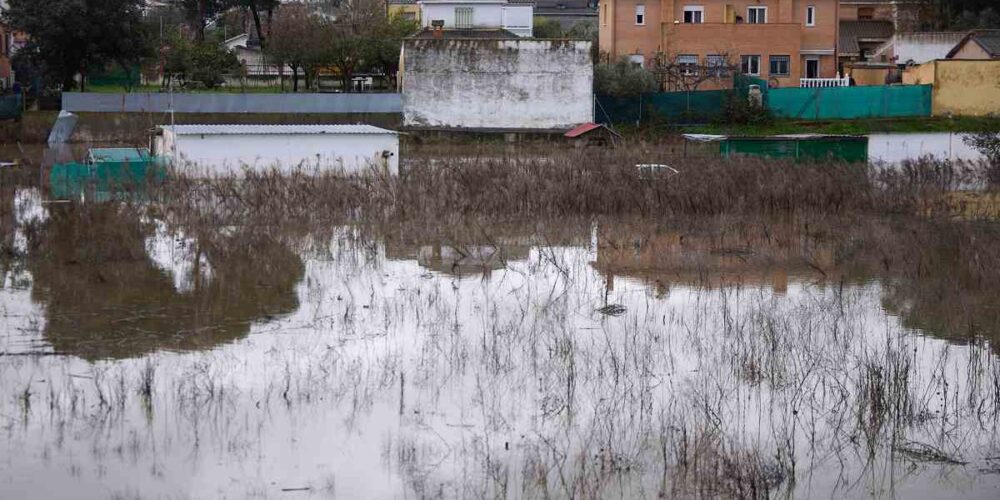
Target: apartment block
{"type": "Point", "coordinates": [782, 41]}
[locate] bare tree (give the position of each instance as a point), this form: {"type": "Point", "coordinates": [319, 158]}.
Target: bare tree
{"type": "Point", "coordinates": [300, 39]}
{"type": "Point", "coordinates": [688, 72]}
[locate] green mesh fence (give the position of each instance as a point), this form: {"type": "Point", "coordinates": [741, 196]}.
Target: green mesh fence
{"type": "Point", "coordinates": [698, 106]}
{"type": "Point", "coordinates": [833, 103]}
{"type": "Point", "coordinates": [828, 103]}
{"type": "Point", "coordinates": [104, 181]}
{"type": "Point", "coordinates": [849, 149]}
{"type": "Point", "coordinates": [11, 107]}
{"type": "Point", "coordinates": [116, 77]}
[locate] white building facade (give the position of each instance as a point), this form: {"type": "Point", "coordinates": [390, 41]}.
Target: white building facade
{"type": "Point", "coordinates": [516, 17]}
{"type": "Point", "coordinates": [217, 150]}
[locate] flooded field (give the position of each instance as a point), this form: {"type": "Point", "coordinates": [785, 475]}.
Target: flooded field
{"type": "Point", "coordinates": [228, 349]}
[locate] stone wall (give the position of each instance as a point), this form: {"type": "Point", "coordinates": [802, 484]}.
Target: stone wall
{"type": "Point", "coordinates": [496, 84]}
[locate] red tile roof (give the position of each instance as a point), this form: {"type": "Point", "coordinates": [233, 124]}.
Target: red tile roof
{"type": "Point", "coordinates": [582, 129]}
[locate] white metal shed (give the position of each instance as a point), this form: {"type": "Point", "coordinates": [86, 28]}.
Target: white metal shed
{"type": "Point", "coordinates": [233, 149]}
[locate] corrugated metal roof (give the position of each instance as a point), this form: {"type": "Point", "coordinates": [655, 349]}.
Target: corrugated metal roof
{"type": "Point", "coordinates": [276, 129]}
{"type": "Point", "coordinates": [853, 31]}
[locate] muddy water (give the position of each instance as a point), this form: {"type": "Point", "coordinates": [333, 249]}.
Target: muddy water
{"type": "Point", "coordinates": [612, 358]}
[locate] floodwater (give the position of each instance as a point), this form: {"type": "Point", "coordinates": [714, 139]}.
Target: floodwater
{"type": "Point", "coordinates": [144, 357]}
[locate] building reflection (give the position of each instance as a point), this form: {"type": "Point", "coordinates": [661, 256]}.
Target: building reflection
{"type": "Point", "coordinates": [478, 251]}
{"type": "Point", "coordinates": [712, 257]}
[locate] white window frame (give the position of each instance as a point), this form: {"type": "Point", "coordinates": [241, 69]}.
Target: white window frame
{"type": "Point", "coordinates": [715, 65]}
{"type": "Point", "coordinates": [688, 64]}
{"type": "Point", "coordinates": [640, 15]}
{"type": "Point", "coordinates": [757, 8]}
{"type": "Point", "coordinates": [700, 9]}
{"type": "Point", "coordinates": [749, 58]}
{"type": "Point", "coordinates": [637, 60]}
{"type": "Point", "coordinates": [811, 15]}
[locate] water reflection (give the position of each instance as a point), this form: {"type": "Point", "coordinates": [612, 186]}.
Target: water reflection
{"type": "Point", "coordinates": [106, 297]}
{"type": "Point", "coordinates": [375, 362]}
{"type": "Point", "coordinates": [473, 250]}
{"type": "Point", "coordinates": [941, 278]}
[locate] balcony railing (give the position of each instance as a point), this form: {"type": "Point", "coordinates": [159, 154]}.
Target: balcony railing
{"type": "Point", "coordinates": [825, 82]}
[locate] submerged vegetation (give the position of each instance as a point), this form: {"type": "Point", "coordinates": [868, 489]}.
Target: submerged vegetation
{"type": "Point", "coordinates": [556, 326]}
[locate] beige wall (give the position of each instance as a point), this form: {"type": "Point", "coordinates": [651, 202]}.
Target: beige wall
{"type": "Point", "coordinates": [868, 76]}
{"type": "Point", "coordinates": [920, 75]}
{"type": "Point", "coordinates": [412, 11]}
{"type": "Point", "coordinates": [880, 12]}
{"type": "Point", "coordinates": [970, 88]}
{"type": "Point", "coordinates": [971, 50]}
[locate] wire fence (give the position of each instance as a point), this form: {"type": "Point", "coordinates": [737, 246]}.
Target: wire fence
{"type": "Point", "coordinates": [250, 78]}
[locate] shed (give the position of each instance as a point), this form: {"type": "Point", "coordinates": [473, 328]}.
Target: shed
{"type": "Point", "coordinates": [593, 134]}
{"type": "Point", "coordinates": [232, 149]}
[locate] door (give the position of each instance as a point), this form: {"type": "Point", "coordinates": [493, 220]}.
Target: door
{"type": "Point", "coordinates": [812, 67]}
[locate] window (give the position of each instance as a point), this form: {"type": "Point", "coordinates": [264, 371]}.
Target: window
{"type": "Point", "coordinates": [463, 17]}
{"type": "Point", "coordinates": [410, 16]}
{"type": "Point", "coordinates": [716, 65]}
{"type": "Point", "coordinates": [780, 66]}
{"type": "Point", "coordinates": [866, 13]}
{"type": "Point", "coordinates": [640, 15]}
{"type": "Point", "coordinates": [756, 15]}
{"type": "Point", "coordinates": [810, 16]}
{"type": "Point", "coordinates": [693, 14]}
{"type": "Point", "coordinates": [688, 64]}
{"type": "Point", "coordinates": [604, 14]}
{"type": "Point", "coordinates": [636, 60]}
{"type": "Point", "coordinates": [750, 65]}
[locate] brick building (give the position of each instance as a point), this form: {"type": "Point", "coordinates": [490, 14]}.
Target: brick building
{"type": "Point", "coordinates": [778, 40]}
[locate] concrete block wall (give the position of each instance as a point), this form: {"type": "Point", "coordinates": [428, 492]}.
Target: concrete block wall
{"type": "Point", "coordinates": [497, 84]}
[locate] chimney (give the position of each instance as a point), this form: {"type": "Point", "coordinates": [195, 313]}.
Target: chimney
{"type": "Point", "coordinates": [437, 26]}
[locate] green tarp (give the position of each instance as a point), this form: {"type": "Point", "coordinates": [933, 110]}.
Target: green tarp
{"type": "Point", "coordinates": [105, 180]}
{"type": "Point", "coordinates": [828, 103]}
{"type": "Point", "coordinates": [840, 103]}
{"type": "Point", "coordinates": [699, 106]}
{"type": "Point", "coordinates": [11, 107]}
{"type": "Point", "coordinates": [849, 149]}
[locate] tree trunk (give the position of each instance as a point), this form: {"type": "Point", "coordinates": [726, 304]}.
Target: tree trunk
{"type": "Point", "coordinates": [295, 78]}
{"type": "Point", "coordinates": [199, 24]}
{"type": "Point", "coordinates": [256, 22]}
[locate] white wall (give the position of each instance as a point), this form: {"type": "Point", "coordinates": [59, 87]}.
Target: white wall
{"type": "Point", "coordinates": [517, 18]}
{"type": "Point", "coordinates": [497, 84]}
{"type": "Point", "coordinates": [231, 154]}
{"type": "Point", "coordinates": [895, 148]}
{"type": "Point", "coordinates": [923, 47]}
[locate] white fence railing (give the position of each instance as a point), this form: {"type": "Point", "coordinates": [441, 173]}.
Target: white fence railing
{"type": "Point", "coordinates": [825, 82]}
